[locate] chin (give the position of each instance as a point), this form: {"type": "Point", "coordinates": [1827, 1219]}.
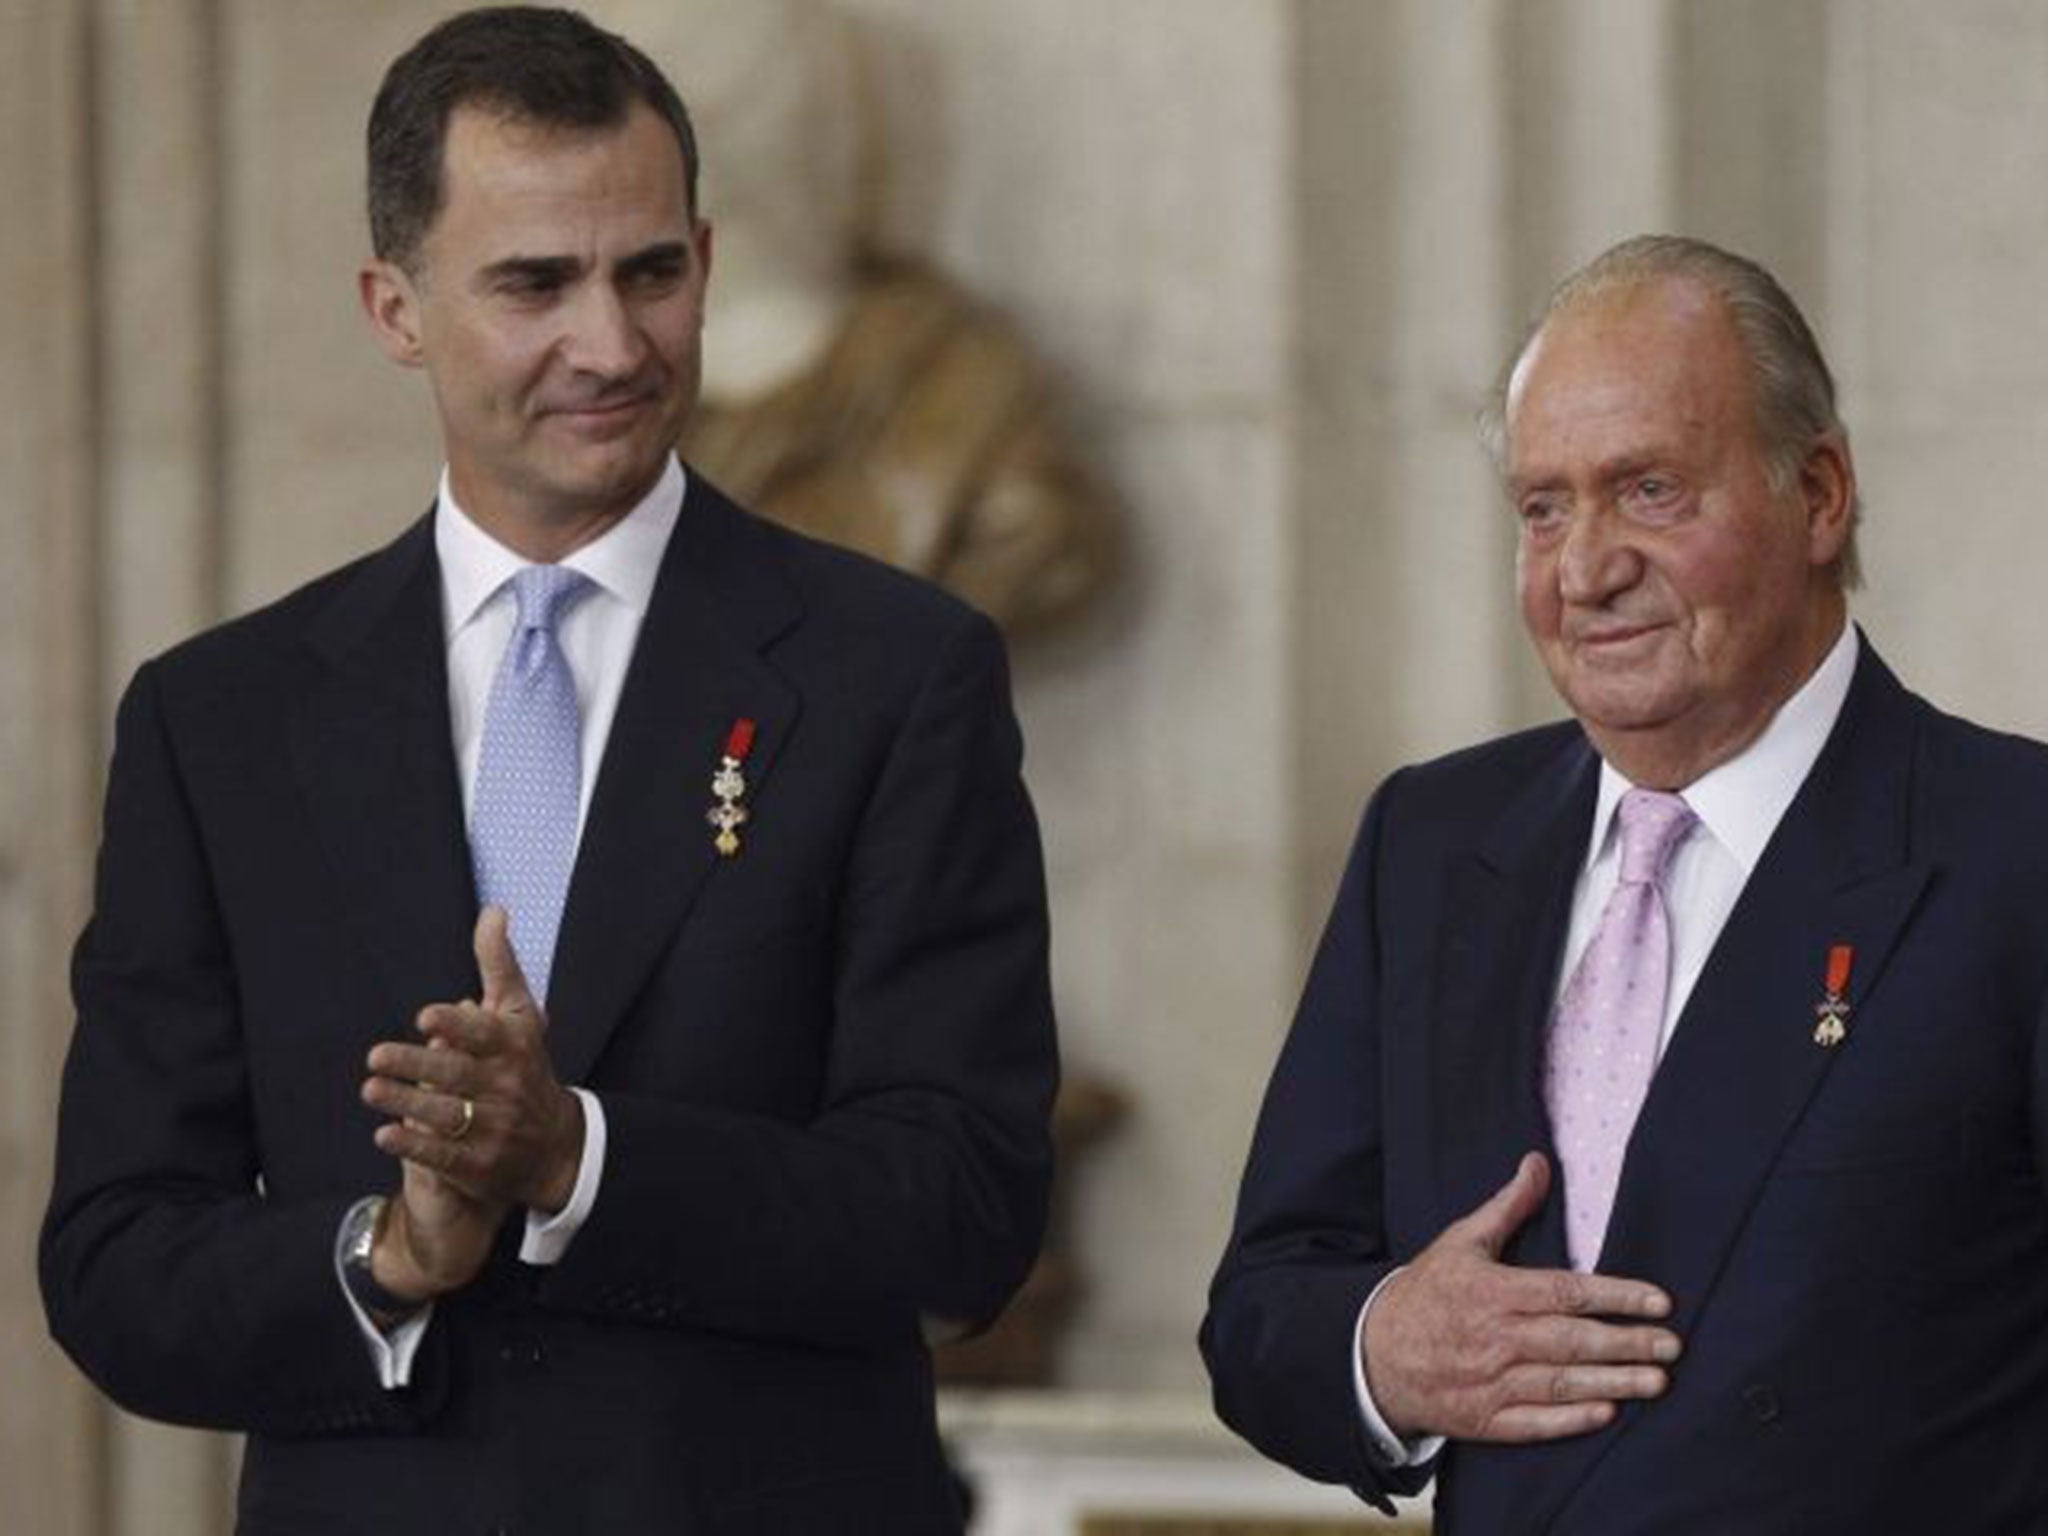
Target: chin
{"type": "Point", "coordinates": [616, 475]}
{"type": "Point", "coordinates": [1609, 703]}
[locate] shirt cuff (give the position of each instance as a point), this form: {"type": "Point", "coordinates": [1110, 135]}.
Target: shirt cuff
{"type": "Point", "coordinates": [1388, 1448]}
{"type": "Point", "coordinates": [390, 1353]}
{"type": "Point", "coordinates": [548, 1237]}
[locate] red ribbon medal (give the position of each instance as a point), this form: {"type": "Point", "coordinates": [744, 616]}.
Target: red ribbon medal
{"type": "Point", "coordinates": [730, 786]}
{"type": "Point", "coordinates": [1833, 1010]}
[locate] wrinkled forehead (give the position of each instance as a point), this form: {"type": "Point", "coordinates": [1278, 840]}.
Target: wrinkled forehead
{"type": "Point", "coordinates": [1664, 348]}
{"type": "Point", "coordinates": [513, 188]}
{"type": "Point", "coordinates": [490, 146]}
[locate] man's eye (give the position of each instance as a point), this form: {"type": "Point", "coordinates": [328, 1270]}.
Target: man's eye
{"type": "Point", "coordinates": [655, 279]}
{"type": "Point", "coordinates": [1539, 512]}
{"type": "Point", "coordinates": [529, 285]}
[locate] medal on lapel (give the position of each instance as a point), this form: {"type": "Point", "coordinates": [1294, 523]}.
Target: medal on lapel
{"type": "Point", "coordinates": [1832, 1010]}
{"type": "Point", "coordinates": [729, 785]}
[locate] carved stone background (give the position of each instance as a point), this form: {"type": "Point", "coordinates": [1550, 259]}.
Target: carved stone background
{"type": "Point", "coordinates": [1274, 250]}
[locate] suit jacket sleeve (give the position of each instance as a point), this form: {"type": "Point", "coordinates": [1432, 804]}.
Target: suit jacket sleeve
{"type": "Point", "coordinates": [1310, 1241]}
{"type": "Point", "coordinates": [176, 1285]}
{"type": "Point", "coordinates": [918, 1189]}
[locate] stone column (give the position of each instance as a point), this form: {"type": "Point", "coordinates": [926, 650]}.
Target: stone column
{"type": "Point", "coordinates": [108, 404]}
{"type": "Point", "coordinates": [1936, 258]}
{"type": "Point", "coordinates": [1120, 178]}
{"type": "Point", "coordinates": [156, 77]}
{"type": "Point", "coordinates": [51, 1446]}
{"type": "Point", "coordinates": [1404, 641]}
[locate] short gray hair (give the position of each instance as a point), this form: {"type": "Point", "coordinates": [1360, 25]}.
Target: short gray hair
{"type": "Point", "coordinates": [1794, 389]}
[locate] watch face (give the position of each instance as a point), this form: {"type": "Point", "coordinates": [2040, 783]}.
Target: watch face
{"type": "Point", "coordinates": [359, 1231]}
{"type": "Point", "coordinates": [358, 1239]}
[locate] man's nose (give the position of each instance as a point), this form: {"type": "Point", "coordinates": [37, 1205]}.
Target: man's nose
{"type": "Point", "coordinates": [604, 336]}
{"type": "Point", "coordinates": [1597, 559]}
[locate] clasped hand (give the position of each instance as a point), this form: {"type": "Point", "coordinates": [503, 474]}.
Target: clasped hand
{"type": "Point", "coordinates": [1462, 1345]}
{"type": "Point", "coordinates": [478, 1120]}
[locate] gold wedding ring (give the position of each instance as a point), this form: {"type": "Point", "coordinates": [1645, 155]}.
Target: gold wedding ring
{"type": "Point", "coordinates": [468, 1120]}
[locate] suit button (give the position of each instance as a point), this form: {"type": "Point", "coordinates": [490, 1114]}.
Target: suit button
{"type": "Point", "coordinates": [1762, 1403]}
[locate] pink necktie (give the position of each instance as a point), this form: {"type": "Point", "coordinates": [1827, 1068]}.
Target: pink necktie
{"type": "Point", "coordinates": [1603, 1042]}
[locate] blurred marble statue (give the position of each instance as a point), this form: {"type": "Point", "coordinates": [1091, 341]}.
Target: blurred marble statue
{"type": "Point", "coordinates": [877, 404]}
{"type": "Point", "coordinates": [870, 402]}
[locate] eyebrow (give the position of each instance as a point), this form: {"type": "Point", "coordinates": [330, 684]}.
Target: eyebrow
{"type": "Point", "coordinates": [535, 269]}
{"type": "Point", "coordinates": [1622, 466]}
{"type": "Point", "coordinates": [656, 258]}
{"type": "Point", "coordinates": [1630, 466]}
{"type": "Point", "coordinates": [560, 269]}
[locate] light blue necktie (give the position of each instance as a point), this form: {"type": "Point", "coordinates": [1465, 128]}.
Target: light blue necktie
{"type": "Point", "coordinates": [529, 776]}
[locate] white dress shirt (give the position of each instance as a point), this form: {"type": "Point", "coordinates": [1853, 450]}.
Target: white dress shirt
{"type": "Point", "coordinates": [597, 635]}
{"type": "Point", "coordinates": [1739, 805]}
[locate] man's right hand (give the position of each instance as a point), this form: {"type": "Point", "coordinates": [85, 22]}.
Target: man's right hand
{"type": "Point", "coordinates": [1460, 1344]}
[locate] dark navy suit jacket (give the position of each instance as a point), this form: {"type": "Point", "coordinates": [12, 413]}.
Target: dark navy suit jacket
{"type": "Point", "coordinates": [1856, 1238]}
{"type": "Point", "coordinates": [826, 1064]}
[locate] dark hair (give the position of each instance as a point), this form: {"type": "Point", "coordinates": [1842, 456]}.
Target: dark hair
{"type": "Point", "coordinates": [550, 67]}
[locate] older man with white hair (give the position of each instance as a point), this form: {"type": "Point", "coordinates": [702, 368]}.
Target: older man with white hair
{"type": "Point", "coordinates": [1661, 1141]}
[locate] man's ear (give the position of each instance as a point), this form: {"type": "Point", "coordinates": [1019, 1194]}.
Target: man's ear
{"type": "Point", "coordinates": [391, 300]}
{"type": "Point", "coordinates": [1827, 485]}
{"type": "Point", "coordinates": [701, 243]}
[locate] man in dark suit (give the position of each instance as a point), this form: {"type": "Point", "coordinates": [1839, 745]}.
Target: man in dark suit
{"type": "Point", "coordinates": [750, 1101]}
{"type": "Point", "coordinates": [1661, 1141]}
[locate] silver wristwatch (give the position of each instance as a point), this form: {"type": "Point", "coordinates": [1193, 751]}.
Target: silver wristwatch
{"type": "Point", "coordinates": [352, 1250]}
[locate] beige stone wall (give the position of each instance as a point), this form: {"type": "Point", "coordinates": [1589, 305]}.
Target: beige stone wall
{"type": "Point", "coordinates": [1120, 177]}
{"type": "Point", "coordinates": [1936, 258]}
{"type": "Point", "coordinates": [1273, 249]}
{"type": "Point", "coordinates": [49, 1427]}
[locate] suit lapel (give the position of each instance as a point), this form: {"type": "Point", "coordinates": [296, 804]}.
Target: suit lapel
{"type": "Point", "coordinates": [1743, 1064]}
{"type": "Point", "coordinates": [1506, 910]}
{"type": "Point", "coordinates": [647, 848]}
{"type": "Point", "coordinates": [372, 751]}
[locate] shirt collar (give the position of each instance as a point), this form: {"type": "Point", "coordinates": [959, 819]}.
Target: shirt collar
{"type": "Point", "coordinates": [623, 560]}
{"type": "Point", "coordinates": [1741, 801]}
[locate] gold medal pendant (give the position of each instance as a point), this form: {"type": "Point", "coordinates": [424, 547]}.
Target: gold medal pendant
{"type": "Point", "coordinates": [1832, 1010]}
{"type": "Point", "coordinates": [729, 786]}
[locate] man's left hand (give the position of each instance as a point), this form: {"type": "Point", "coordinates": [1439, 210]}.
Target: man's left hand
{"type": "Point", "coordinates": [479, 1103]}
